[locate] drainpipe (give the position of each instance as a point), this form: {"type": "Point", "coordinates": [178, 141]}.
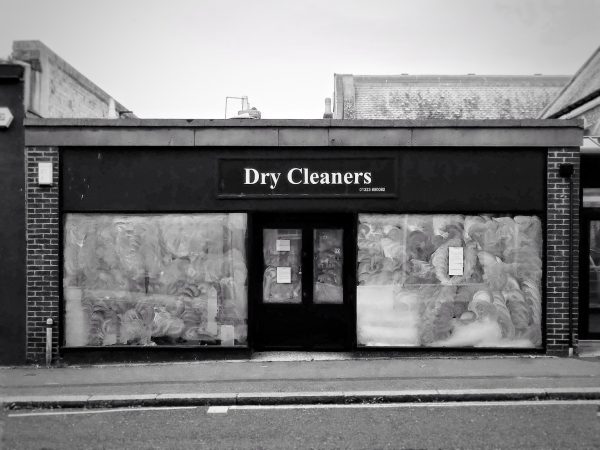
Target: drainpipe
{"type": "Point", "coordinates": [566, 171]}
{"type": "Point", "coordinates": [27, 103]}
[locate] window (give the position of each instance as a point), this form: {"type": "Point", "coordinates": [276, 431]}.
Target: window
{"type": "Point", "coordinates": [407, 296]}
{"type": "Point", "coordinates": [170, 279]}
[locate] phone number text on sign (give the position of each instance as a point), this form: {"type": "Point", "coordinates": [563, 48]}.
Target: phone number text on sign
{"type": "Point", "coordinates": [371, 189]}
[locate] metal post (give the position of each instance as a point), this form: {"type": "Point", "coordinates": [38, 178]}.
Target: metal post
{"type": "Point", "coordinates": [49, 323]}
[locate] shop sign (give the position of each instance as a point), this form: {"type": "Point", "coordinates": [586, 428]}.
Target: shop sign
{"type": "Point", "coordinates": [6, 117]}
{"type": "Point", "coordinates": [348, 177]}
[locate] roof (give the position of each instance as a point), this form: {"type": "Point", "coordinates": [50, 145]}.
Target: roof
{"type": "Point", "coordinates": [445, 96]}
{"type": "Point", "coordinates": [318, 133]}
{"type": "Point", "coordinates": [583, 87]}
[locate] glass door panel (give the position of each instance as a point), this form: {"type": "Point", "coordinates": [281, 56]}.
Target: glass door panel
{"type": "Point", "coordinates": [282, 271]}
{"type": "Point", "coordinates": [328, 266]}
{"type": "Point", "coordinates": [594, 278]}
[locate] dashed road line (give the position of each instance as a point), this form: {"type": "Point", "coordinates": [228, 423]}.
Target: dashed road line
{"type": "Point", "coordinates": [218, 409]}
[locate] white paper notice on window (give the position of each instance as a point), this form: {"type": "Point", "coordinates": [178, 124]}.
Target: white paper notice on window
{"type": "Point", "coordinates": [455, 261]}
{"type": "Point", "coordinates": [284, 275]}
{"type": "Point", "coordinates": [227, 335]}
{"type": "Point", "coordinates": [282, 245]}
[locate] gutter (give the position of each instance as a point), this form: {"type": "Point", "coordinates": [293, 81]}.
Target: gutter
{"type": "Point", "coordinates": [578, 104]}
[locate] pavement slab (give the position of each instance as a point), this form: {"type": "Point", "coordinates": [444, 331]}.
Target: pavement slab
{"type": "Point", "coordinates": [302, 381]}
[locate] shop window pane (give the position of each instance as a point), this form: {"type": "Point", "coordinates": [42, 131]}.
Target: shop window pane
{"type": "Point", "coordinates": [328, 266]}
{"type": "Point", "coordinates": [155, 279]}
{"type": "Point", "coordinates": [591, 197]}
{"type": "Point", "coordinates": [282, 272]}
{"type": "Point", "coordinates": [449, 281]}
{"type": "Point", "coordinates": [594, 287]}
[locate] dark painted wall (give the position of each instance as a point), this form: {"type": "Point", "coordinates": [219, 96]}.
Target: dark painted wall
{"type": "Point", "coordinates": [12, 225]}
{"type": "Point", "coordinates": [428, 180]}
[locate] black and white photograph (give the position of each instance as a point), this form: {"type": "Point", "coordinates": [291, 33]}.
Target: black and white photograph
{"type": "Point", "coordinates": [277, 224]}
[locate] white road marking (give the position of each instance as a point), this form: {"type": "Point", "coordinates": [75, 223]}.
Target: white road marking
{"type": "Point", "coordinates": [218, 409]}
{"type": "Point", "coordinates": [98, 411]}
{"type": "Point", "coordinates": [226, 409]}
{"type": "Point", "coordinates": [419, 405]}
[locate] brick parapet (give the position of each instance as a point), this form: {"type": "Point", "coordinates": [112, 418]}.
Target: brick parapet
{"type": "Point", "coordinates": [558, 248]}
{"type": "Point", "coordinates": [42, 231]}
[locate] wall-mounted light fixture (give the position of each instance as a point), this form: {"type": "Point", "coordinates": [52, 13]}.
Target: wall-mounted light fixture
{"type": "Point", "coordinates": [45, 177]}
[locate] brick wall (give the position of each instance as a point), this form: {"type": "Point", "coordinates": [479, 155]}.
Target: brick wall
{"type": "Point", "coordinates": [42, 230]}
{"type": "Point", "coordinates": [557, 256]}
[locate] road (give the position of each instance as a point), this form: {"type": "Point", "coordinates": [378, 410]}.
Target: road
{"type": "Point", "coordinates": [509, 425]}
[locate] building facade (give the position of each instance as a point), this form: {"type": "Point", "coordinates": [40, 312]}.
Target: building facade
{"type": "Point", "coordinates": [580, 99]}
{"type": "Point", "coordinates": [34, 82]}
{"type": "Point", "coordinates": [165, 239]}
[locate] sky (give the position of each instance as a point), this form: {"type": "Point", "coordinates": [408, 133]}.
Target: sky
{"type": "Point", "coordinates": [181, 58]}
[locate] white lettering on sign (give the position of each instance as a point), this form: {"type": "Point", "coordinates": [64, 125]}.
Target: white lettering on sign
{"type": "Point", "coordinates": [284, 275]}
{"type": "Point", "coordinates": [282, 245]}
{"type": "Point", "coordinates": [253, 176]}
{"type": "Point", "coordinates": [455, 261]}
{"type": "Point", "coordinates": [302, 175]}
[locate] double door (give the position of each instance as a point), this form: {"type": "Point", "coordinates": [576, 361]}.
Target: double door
{"type": "Point", "coordinates": [302, 293]}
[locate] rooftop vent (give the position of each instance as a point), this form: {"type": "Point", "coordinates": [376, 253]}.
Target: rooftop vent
{"type": "Point", "coordinates": [327, 114]}
{"type": "Point", "coordinates": [246, 112]}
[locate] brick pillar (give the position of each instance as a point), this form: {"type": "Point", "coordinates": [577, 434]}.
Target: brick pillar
{"type": "Point", "coordinates": [557, 254]}
{"type": "Point", "coordinates": [42, 231]}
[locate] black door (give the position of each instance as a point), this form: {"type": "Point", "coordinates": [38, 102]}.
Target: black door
{"type": "Point", "coordinates": [303, 288]}
{"type": "Point", "coordinates": [589, 305]}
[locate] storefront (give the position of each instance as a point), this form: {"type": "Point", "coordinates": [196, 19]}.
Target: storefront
{"type": "Point", "coordinates": [173, 236]}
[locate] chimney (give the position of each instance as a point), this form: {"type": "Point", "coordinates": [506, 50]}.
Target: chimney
{"type": "Point", "coordinates": [112, 109]}
{"type": "Point", "coordinates": [327, 114]}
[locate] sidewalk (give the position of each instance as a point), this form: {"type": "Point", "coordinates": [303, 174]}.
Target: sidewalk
{"type": "Point", "coordinates": [263, 381]}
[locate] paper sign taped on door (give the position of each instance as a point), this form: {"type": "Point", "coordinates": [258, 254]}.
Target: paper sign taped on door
{"type": "Point", "coordinates": [284, 275]}
{"type": "Point", "coordinates": [282, 245]}
{"type": "Point", "coordinates": [455, 261]}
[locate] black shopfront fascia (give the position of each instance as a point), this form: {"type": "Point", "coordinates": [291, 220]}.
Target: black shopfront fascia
{"type": "Point", "coordinates": [188, 180]}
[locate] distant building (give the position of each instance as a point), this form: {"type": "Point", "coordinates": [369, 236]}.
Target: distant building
{"type": "Point", "coordinates": [55, 89]}
{"type": "Point", "coordinates": [580, 98]}
{"type": "Point", "coordinates": [444, 96]}
{"type": "Point", "coordinates": [34, 82]}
